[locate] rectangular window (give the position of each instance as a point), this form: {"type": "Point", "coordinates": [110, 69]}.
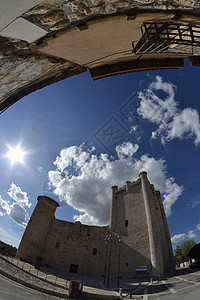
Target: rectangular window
{"type": "Point", "coordinates": [73, 268]}
{"type": "Point", "coordinates": [57, 245]}
{"type": "Point", "coordinates": [94, 251]}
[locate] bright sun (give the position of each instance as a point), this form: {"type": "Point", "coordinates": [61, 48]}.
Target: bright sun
{"type": "Point", "coordinates": [15, 155]}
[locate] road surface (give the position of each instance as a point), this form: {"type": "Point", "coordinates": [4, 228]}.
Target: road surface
{"type": "Point", "coordinates": [10, 290]}
{"type": "Point", "coordinates": [192, 293]}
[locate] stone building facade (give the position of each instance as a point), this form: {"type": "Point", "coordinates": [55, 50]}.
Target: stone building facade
{"type": "Point", "coordinates": [138, 231]}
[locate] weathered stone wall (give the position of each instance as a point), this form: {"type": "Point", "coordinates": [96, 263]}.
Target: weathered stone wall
{"type": "Point", "coordinates": [55, 15]}
{"type": "Point", "coordinates": [17, 72]}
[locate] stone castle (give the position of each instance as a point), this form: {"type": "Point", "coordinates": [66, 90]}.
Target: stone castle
{"type": "Point", "coordinates": [138, 232]}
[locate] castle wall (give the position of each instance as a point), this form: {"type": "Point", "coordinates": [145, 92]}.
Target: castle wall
{"type": "Point", "coordinates": [77, 243]}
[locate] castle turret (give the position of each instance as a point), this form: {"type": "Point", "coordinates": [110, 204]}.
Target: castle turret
{"type": "Point", "coordinates": [33, 240]}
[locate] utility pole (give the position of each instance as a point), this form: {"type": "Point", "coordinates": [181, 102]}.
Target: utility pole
{"type": "Point", "coordinates": [109, 260]}
{"type": "Point", "coordinates": [106, 254]}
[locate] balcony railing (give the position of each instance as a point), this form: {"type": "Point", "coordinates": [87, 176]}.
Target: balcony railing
{"type": "Point", "coordinates": [168, 37]}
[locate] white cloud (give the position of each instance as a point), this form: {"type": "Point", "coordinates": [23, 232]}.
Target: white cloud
{"type": "Point", "coordinates": [198, 226]}
{"type": "Point", "coordinates": [172, 122]}
{"type": "Point", "coordinates": [185, 124]}
{"type": "Point", "coordinates": [16, 211]}
{"type": "Point", "coordinates": [134, 128]}
{"type": "Point", "coordinates": [155, 109]}
{"type": "Point", "coordinates": [17, 195]}
{"type": "Point", "coordinates": [4, 207]}
{"type": "Point", "coordinates": [18, 214]}
{"type": "Point", "coordinates": [83, 179]}
{"type": "Point", "coordinates": [178, 237]}
{"type": "Point", "coordinates": [173, 192]}
{"type": "Point", "coordinates": [191, 234]}
{"type": "Point", "coordinates": [126, 149]}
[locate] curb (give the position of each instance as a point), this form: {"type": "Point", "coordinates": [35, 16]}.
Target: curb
{"type": "Point", "coordinates": [35, 287]}
{"type": "Point", "coordinates": [40, 278]}
{"type": "Point", "coordinates": [90, 296]}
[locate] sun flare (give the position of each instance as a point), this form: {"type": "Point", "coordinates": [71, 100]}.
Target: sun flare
{"type": "Point", "coordinates": [15, 155]}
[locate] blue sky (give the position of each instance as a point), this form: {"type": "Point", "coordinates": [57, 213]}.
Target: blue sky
{"type": "Point", "coordinates": [80, 137]}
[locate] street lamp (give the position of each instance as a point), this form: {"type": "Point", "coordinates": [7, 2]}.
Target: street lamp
{"type": "Point", "coordinates": [119, 240]}
{"type": "Point", "coordinates": [107, 239]}
{"type": "Point", "coordinates": [109, 259]}
{"type": "Point", "coordinates": [106, 242]}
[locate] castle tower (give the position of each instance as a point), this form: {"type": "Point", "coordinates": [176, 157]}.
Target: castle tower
{"type": "Point", "coordinates": [155, 243]}
{"type": "Point", "coordinates": [138, 216]}
{"type": "Point", "coordinates": [33, 240]}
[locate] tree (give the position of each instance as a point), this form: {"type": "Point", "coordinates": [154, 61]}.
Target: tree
{"type": "Point", "coordinates": [178, 255]}
{"type": "Point", "coordinates": [186, 247]}
{"type": "Point", "coordinates": [182, 250]}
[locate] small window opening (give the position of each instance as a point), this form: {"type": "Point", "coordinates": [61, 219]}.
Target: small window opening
{"type": "Point", "coordinates": [126, 223]}
{"type": "Point", "coordinates": [126, 264]}
{"type": "Point", "coordinates": [94, 251]}
{"type": "Point", "coordinates": [57, 245]}
{"type": "Point", "coordinates": [73, 268]}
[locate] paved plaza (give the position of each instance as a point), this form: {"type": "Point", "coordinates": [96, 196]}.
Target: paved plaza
{"type": "Point", "coordinates": [181, 285]}
{"type": "Point", "coordinates": [181, 280]}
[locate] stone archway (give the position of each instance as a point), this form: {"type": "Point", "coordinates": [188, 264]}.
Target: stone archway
{"type": "Point", "coordinates": [48, 41]}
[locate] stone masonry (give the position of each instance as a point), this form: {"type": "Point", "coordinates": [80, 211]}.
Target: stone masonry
{"type": "Point", "coordinates": [137, 217]}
